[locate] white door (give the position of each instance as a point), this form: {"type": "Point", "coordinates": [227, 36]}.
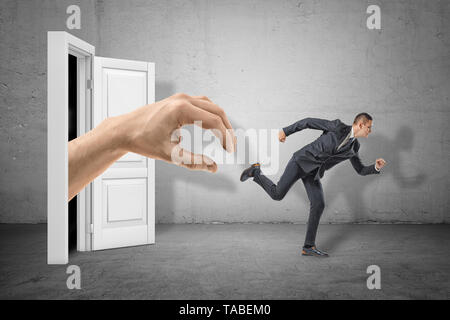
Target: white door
{"type": "Point", "coordinates": [123, 197]}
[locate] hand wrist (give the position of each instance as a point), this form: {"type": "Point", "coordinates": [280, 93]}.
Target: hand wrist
{"type": "Point", "coordinates": [117, 134]}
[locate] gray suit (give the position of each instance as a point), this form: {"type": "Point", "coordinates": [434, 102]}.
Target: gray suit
{"type": "Point", "coordinates": [310, 163]}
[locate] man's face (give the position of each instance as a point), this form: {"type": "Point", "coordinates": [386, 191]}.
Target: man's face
{"type": "Point", "coordinates": [365, 128]}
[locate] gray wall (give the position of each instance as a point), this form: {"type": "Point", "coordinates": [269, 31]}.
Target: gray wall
{"type": "Point", "coordinates": [267, 63]}
{"type": "Point", "coordinates": [23, 101]}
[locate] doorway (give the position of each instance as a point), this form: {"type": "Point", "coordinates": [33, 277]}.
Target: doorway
{"type": "Point", "coordinates": [72, 134]}
{"type": "Point", "coordinates": [78, 123]}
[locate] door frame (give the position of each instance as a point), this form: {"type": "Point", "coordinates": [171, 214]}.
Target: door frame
{"type": "Point", "coordinates": [59, 45]}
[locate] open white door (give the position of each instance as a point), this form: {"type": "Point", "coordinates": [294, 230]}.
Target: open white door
{"type": "Point", "coordinates": [123, 197]}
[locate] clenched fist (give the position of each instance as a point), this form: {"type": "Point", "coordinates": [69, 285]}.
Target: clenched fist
{"type": "Point", "coordinates": [380, 163]}
{"type": "Point", "coordinates": [281, 136]}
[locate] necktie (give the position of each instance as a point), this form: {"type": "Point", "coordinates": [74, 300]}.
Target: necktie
{"type": "Point", "coordinates": [347, 139]}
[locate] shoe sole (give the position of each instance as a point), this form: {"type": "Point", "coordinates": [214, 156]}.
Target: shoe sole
{"type": "Point", "coordinates": [314, 255]}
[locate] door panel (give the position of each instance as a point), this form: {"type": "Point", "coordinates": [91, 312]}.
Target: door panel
{"type": "Point", "coordinates": [125, 200]}
{"type": "Point", "coordinates": [123, 196]}
{"type": "Point", "coordinates": [123, 91]}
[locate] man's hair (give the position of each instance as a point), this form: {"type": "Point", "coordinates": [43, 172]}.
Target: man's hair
{"type": "Point", "coordinates": [365, 117]}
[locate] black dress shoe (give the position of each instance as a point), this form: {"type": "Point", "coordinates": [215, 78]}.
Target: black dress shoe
{"type": "Point", "coordinates": [250, 172]}
{"type": "Point", "coordinates": [313, 251]}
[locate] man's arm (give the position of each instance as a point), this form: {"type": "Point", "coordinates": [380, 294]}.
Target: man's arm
{"type": "Point", "coordinates": [311, 123]}
{"type": "Point", "coordinates": [365, 170]}
{"type": "Point", "coordinates": [91, 154]}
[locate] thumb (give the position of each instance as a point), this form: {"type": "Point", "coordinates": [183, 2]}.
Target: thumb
{"type": "Point", "coordinates": [192, 161]}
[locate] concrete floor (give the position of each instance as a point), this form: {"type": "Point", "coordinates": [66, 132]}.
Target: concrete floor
{"type": "Point", "coordinates": [237, 261]}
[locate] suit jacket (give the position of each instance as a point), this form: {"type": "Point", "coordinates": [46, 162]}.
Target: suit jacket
{"type": "Point", "coordinates": [322, 154]}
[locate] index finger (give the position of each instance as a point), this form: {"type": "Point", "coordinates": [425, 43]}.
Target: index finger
{"type": "Point", "coordinates": [190, 114]}
{"type": "Point", "coordinates": [204, 103]}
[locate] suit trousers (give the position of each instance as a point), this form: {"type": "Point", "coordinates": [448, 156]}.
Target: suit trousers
{"type": "Point", "coordinates": [292, 174]}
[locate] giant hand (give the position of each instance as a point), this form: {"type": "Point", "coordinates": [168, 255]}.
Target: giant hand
{"type": "Point", "coordinates": [149, 131]}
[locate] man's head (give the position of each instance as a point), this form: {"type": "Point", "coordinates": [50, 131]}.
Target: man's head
{"type": "Point", "coordinates": [362, 125]}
